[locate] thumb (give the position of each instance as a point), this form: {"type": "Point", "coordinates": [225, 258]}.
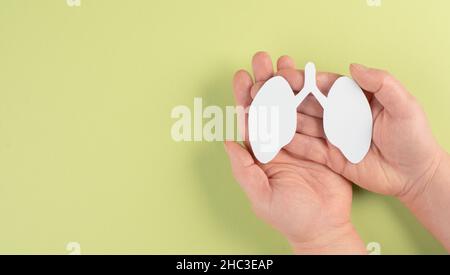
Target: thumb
{"type": "Point", "coordinates": [386, 89]}
{"type": "Point", "coordinates": [249, 175]}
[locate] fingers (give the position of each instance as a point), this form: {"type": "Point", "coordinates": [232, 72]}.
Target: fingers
{"type": "Point", "coordinates": [311, 107]}
{"type": "Point", "coordinates": [262, 66]}
{"type": "Point", "coordinates": [262, 70]}
{"type": "Point", "coordinates": [249, 175]}
{"type": "Point", "coordinates": [308, 147]}
{"type": "Point", "coordinates": [296, 79]}
{"type": "Point", "coordinates": [320, 151]}
{"type": "Point", "coordinates": [242, 83]}
{"type": "Point", "coordinates": [376, 107]}
{"type": "Point", "coordinates": [293, 77]}
{"type": "Point", "coordinates": [255, 88]}
{"type": "Point", "coordinates": [325, 80]}
{"type": "Point", "coordinates": [285, 62]}
{"type": "Point", "coordinates": [310, 126]}
{"type": "Point", "coordinates": [386, 89]}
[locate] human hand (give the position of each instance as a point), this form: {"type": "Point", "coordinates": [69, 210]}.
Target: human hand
{"type": "Point", "coordinates": [404, 159]}
{"type": "Point", "coordinates": [403, 156]}
{"type": "Point", "coordinates": [304, 200]}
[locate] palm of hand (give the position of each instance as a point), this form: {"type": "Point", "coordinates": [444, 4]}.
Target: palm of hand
{"type": "Point", "coordinates": [403, 150]}
{"type": "Point", "coordinates": [307, 199]}
{"type": "Point", "coordinates": [300, 198]}
{"type": "Point", "coordinates": [305, 191]}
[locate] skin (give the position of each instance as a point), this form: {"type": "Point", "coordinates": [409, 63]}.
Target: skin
{"type": "Point", "coordinates": [305, 192]}
{"type": "Point", "coordinates": [404, 160]}
{"type": "Point", "coordinates": [306, 201]}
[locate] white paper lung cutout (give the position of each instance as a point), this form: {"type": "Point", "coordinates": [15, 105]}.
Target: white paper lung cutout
{"type": "Point", "coordinates": [347, 119]}
{"type": "Point", "coordinates": [272, 118]}
{"type": "Point", "coordinates": [347, 116]}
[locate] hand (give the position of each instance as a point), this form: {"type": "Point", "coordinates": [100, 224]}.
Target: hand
{"type": "Point", "coordinates": [403, 156]}
{"type": "Point", "coordinates": [304, 200]}
{"type": "Point", "coordinates": [404, 159]}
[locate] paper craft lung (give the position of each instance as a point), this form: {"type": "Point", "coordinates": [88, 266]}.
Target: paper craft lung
{"type": "Point", "coordinates": [347, 117]}
{"type": "Point", "coordinates": [272, 119]}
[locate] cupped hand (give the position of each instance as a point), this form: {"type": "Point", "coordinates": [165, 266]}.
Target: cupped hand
{"type": "Point", "coordinates": [306, 201]}
{"type": "Point", "coordinates": [403, 155]}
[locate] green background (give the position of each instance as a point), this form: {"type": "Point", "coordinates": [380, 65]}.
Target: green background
{"type": "Point", "coordinates": [85, 99]}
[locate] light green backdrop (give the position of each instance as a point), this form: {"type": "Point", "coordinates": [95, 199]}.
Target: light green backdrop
{"type": "Point", "coordinates": [85, 99]}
